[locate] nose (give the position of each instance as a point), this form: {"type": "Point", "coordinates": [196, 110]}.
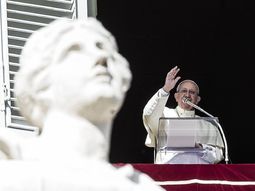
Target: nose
{"type": "Point", "coordinates": [102, 61]}
{"type": "Point", "coordinates": [188, 93]}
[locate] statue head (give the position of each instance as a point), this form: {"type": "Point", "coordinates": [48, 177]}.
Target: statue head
{"type": "Point", "coordinates": [72, 66]}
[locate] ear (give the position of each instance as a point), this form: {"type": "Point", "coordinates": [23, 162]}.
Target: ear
{"type": "Point", "coordinates": [198, 99]}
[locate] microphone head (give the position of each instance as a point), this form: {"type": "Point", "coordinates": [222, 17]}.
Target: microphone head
{"type": "Point", "coordinates": [185, 99]}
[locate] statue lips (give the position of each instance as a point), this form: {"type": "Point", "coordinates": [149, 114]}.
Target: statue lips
{"type": "Point", "coordinates": [104, 76]}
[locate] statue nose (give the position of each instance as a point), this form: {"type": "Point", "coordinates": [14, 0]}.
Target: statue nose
{"type": "Point", "coordinates": [102, 61]}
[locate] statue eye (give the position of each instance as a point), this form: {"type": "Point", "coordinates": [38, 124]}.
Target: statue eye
{"type": "Point", "coordinates": [99, 45]}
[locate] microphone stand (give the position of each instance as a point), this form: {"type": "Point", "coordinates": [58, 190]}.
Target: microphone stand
{"type": "Point", "coordinates": [185, 100]}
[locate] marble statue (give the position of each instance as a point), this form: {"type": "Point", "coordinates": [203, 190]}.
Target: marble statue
{"type": "Point", "coordinates": [71, 84]}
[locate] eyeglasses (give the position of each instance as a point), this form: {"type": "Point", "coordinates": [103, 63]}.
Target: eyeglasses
{"type": "Point", "coordinates": [185, 91]}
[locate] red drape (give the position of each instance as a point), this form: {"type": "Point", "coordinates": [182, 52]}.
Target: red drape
{"type": "Point", "coordinates": [218, 177]}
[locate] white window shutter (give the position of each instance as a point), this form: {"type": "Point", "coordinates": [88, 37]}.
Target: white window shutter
{"type": "Point", "coordinates": [19, 19]}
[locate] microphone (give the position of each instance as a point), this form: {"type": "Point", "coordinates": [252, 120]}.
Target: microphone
{"type": "Point", "coordinates": [188, 101]}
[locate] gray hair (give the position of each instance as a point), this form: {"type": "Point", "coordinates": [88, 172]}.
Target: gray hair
{"type": "Point", "coordinates": [184, 81]}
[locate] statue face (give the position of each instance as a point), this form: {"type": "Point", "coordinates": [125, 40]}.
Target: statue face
{"type": "Point", "coordinates": [74, 67]}
{"type": "Point", "coordinates": [89, 76]}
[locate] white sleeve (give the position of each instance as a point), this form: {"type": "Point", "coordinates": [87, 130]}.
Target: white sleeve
{"type": "Point", "coordinates": [162, 93]}
{"type": "Point", "coordinates": [152, 111]}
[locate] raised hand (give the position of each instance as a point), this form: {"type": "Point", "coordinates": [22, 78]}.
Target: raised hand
{"type": "Point", "coordinates": [171, 79]}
